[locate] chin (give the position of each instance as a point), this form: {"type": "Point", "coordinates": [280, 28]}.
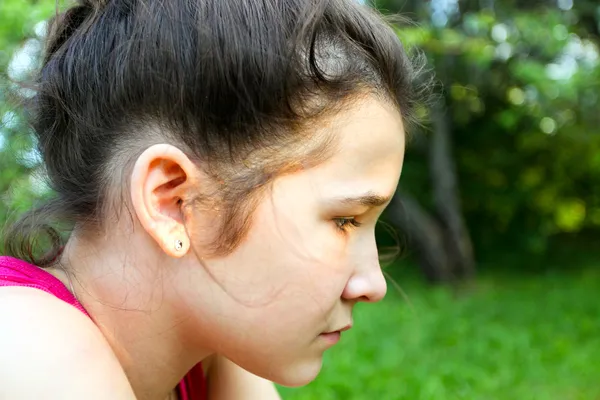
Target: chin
{"type": "Point", "coordinates": [299, 374]}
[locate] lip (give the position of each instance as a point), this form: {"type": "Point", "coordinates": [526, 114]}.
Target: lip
{"type": "Point", "coordinates": [345, 328]}
{"type": "Point", "coordinates": [331, 337]}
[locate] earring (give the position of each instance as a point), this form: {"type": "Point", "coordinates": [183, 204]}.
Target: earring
{"type": "Point", "coordinates": [178, 245]}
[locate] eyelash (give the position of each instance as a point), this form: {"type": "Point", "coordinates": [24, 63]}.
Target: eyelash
{"type": "Point", "coordinates": [346, 223]}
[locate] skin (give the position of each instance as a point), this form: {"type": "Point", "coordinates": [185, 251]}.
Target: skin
{"type": "Point", "coordinates": [297, 274]}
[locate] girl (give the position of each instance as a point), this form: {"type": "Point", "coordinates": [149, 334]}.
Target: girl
{"type": "Point", "coordinates": [222, 165]}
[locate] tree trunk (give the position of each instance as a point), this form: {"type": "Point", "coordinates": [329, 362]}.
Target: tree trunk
{"type": "Point", "coordinates": [446, 197]}
{"type": "Point", "coordinates": [423, 233]}
{"type": "Point", "coordinates": [441, 239]}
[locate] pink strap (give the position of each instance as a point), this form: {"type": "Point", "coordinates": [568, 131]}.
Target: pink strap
{"type": "Point", "coordinates": [13, 271]}
{"type": "Point", "coordinates": [193, 385]}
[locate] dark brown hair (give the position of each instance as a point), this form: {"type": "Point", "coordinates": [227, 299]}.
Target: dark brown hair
{"type": "Point", "coordinates": [233, 83]}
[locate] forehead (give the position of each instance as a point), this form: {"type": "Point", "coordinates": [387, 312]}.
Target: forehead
{"type": "Point", "coordinates": [369, 142]}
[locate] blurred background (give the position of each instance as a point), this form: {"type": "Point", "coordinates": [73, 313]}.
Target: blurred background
{"type": "Point", "coordinates": [496, 292]}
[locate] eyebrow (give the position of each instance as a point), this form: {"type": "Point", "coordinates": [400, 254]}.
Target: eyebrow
{"type": "Point", "coordinates": [367, 200]}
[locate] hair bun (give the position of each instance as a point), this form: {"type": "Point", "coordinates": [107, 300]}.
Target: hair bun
{"type": "Point", "coordinates": [96, 3]}
{"type": "Point", "coordinates": [64, 25]}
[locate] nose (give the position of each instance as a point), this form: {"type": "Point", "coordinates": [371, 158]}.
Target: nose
{"type": "Point", "coordinates": [366, 284]}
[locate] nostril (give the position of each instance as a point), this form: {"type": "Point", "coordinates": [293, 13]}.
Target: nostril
{"type": "Point", "coordinates": [367, 287]}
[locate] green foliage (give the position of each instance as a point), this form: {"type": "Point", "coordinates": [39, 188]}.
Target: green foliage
{"type": "Point", "coordinates": [20, 184]}
{"type": "Point", "coordinates": [17, 20]}
{"type": "Point", "coordinates": [522, 88]}
{"type": "Point", "coordinates": [526, 337]}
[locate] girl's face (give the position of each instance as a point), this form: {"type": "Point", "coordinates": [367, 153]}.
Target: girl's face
{"type": "Point", "coordinates": [309, 257]}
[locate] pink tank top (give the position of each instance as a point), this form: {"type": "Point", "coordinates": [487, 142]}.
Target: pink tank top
{"type": "Point", "coordinates": [14, 272]}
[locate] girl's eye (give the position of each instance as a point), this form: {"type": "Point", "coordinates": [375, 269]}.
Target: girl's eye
{"type": "Point", "coordinates": [346, 223]}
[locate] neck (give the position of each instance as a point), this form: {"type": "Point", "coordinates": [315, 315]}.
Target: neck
{"type": "Point", "coordinates": [131, 301]}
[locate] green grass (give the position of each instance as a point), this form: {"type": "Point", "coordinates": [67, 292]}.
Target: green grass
{"type": "Point", "coordinates": [512, 337]}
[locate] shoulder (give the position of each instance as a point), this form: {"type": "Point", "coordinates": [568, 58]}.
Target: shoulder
{"type": "Point", "coordinates": [51, 350]}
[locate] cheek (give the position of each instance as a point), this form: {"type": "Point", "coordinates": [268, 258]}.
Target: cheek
{"type": "Point", "coordinates": [298, 236]}
{"type": "Point", "coordinates": [284, 264]}
{"type": "Point", "coordinates": [296, 221]}
{"type": "Point", "coordinates": [290, 256]}
{"type": "Point", "coordinates": [320, 267]}
{"type": "Point", "coordinates": [314, 265]}
{"type": "Point", "coordinates": [321, 241]}
{"type": "Point", "coordinates": [304, 272]}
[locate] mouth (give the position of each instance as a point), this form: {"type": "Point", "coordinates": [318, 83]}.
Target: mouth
{"type": "Point", "coordinates": [332, 337]}
{"type": "Point", "coordinates": [345, 328]}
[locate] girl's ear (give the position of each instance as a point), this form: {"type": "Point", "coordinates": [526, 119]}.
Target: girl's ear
{"type": "Point", "coordinates": [160, 181]}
